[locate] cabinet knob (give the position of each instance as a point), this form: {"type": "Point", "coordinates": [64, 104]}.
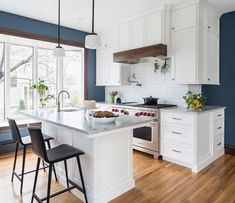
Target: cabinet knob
{"type": "Point", "coordinates": [173, 79]}
{"type": "Point", "coordinates": [208, 79]}
{"type": "Point", "coordinates": [209, 27]}
{"type": "Point", "coordinates": [173, 28]}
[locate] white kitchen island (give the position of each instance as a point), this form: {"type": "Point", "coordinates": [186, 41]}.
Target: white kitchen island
{"type": "Point", "coordinates": [107, 163]}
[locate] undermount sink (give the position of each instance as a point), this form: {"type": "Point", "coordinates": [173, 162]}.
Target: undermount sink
{"type": "Point", "coordinates": [70, 110]}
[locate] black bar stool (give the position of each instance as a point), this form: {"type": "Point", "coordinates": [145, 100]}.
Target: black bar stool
{"type": "Point", "coordinates": [52, 156]}
{"type": "Point", "coordinates": [24, 142]}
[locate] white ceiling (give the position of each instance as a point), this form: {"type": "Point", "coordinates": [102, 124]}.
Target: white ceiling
{"type": "Point", "coordinates": [77, 13]}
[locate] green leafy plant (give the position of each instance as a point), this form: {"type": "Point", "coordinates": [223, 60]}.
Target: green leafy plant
{"type": "Point", "coordinates": [194, 101]}
{"type": "Point", "coordinates": [163, 67]}
{"type": "Point", "coordinates": [21, 106]}
{"type": "Point", "coordinates": [41, 89]}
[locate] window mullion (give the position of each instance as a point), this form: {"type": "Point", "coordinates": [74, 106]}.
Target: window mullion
{"type": "Point", "coordinates": [35, 76]}
{"type": "Point", "coordinates": [7, 80]}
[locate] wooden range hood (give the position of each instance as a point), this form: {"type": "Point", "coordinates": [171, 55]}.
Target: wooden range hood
{"type": "Point", "coordinates": [134, 56]}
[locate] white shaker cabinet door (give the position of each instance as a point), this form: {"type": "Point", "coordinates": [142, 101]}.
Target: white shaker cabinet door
{"type": "Point", "coordinates": [184, 18]}
{"type": "Point", "coordinates": [137, 33]}
{"type": "Point", "coordinates": [124, 37]}
{"type": "Point", "coordinates": [184, 58]}
{"type": "Point", "coordinates": [154, 28]}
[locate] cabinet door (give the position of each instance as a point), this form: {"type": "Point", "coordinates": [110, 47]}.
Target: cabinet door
{"type": "Point", "coordinates": [102, 67]}
{"type": "Point", "coordinates": [109, 39]}
{"type": "Point", "coordinates": [154, 28]}
{"type": "Point", "coordinates": [184, 56]}
{"type": "Point", "coordinates": [184, 18]}
{"type": "Point", "coordinates": [212, 59]}
{"type": "Point", "coordinates": [124, 37]}
{"type": "Point", "coordinates": [212, 21]}
{"type": "Point", "coordinates": [137, 33]}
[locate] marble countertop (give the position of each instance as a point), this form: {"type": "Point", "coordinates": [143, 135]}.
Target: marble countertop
{"type": "Point", "coordinates": [185, 110]}
{"type": "Point", "coordinates": [77, 120]}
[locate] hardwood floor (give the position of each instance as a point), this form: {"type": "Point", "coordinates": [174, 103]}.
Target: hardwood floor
{"type": "Point", "coordinates": [156, 181]}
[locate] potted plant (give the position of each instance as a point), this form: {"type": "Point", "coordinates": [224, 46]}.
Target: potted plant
{"type": "Point", "coordinates": [41, 89]}
{"type": "Point", "coordinates": [195, 102]}
{"type": "Point", "coordinates": [112, 96]}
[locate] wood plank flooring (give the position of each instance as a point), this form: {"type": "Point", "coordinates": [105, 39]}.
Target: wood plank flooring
{"type": "Point", "coordinates": [156, 181]}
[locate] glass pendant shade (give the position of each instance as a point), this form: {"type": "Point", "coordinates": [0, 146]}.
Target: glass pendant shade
{"type": "Point", "coordinates": [59, 52]}
{"type": "Point", "coordinates": [92, 41]}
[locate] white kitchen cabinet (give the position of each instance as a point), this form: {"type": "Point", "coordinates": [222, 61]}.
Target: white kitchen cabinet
{"type": "Point", "coordinates": [109, 73]}
{"type": "Point", "coordinates": [192, 139]}
{"type": "Point", "coordinates": [137, 28]}
{"type": "Point", "coordinates": [154, 27]}
{"type": "Point", "coordinates": [124, 37]}
{"type": "Point", "coordinates": [184, 56]}
{"type": "Point", "coordinates": [184, 17]}
{"type": "Point", "coordinates": [195, 44]}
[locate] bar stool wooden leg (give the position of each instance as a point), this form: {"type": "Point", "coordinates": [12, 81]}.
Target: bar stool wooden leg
{"type": "Point", "coordinates": [23, 166]}
{"type": "Point", "coordinates": [15, 159]}
{"type": "Point", "coordinates": [81, 176]}
{"type": "Point", "coordinates": [53, 166]}
{"type": "Point", "coordinates": [66, 173]}
{"type": "Point", "coordinates": [35, 179]}
{"type": "Point", "coordinates": [49, 183]}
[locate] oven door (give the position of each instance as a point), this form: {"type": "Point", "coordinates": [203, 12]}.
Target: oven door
{"type": "Point", "coordinates": [147, 136]}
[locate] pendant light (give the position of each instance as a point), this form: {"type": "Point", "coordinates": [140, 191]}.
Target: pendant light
{"type": "Point", "coordinates": [92, 41]}
{"type": "Point", "coordinates": [59, 51]}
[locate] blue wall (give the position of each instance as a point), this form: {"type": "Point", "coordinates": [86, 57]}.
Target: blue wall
{"type": "Point", "coordinates": [224, 95]}
{"type": "Point", "coordinates": [20, 23]}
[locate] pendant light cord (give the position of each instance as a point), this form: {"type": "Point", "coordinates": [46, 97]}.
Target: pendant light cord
{"type": "Point", "coordinates": [93, 15]}
{"type": "Point", "coordinates": [58, 23]}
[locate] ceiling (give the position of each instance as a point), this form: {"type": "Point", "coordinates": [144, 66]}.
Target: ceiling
{"type": "Point", "coordinates": [77, 13]}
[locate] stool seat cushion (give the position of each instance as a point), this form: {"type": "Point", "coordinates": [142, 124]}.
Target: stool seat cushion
{"type": "Point", "coordinates": [62, 152]}
{"type": "Point", "coordinates": [27, 140]}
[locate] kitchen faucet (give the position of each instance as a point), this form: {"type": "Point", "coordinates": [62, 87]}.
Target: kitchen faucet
{"type": "Point", "coordinates": [58, 98]}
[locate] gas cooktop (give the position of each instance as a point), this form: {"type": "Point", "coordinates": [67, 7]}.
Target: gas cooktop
{"type": "Point", "coordinates": [158, 106]}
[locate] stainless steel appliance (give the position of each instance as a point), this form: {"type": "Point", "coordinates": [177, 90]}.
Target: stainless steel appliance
{"type": "Point", "coordinates": [145, 139]}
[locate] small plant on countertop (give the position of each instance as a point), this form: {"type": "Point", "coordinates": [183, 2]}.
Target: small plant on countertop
{"type": "Point", "coordinates": [112, 96]}
{"type": "Point", "coordinates": [195, 102]}
{"type": "Point", "coordinates": [41, 89]}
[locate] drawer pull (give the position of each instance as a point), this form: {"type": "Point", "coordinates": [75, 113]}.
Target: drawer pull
{"type": "Point", "coordinates": [219, 128]}
{"type": "Point", "coordinates": [219, 144]}
{"type": "Point", "coordinates": [178, 119]}
{"type": "Point", "coordinates": [177, 151]}
{"type": "Point", "coordinates": [219, 115]}
{"type": "Point", "coordinates": [177, 133]}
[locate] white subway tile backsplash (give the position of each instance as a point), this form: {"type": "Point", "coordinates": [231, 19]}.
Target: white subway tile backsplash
{"type": "Point", "coordinates": [153, 84]}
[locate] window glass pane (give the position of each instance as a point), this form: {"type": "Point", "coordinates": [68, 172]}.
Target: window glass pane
{"type": "Point", "coordinates": [72, 77]}
{"type": "Point", "coordinates": [21, 66]}
{"type": "Point", "coordinates": [47, 72]}
{"type": "Point", "coordinates": [2, 81]}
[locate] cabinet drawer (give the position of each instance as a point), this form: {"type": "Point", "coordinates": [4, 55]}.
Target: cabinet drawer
{"type": "Point", "coordinates": [178, 152]}
{"type": "Point", "coordinates": [178, 118]}
{"type": "Point", "coordinates": [218, 142]}
{"type": "Point", "coordinates": [182, 134]}
{"type": "Point", "coordinates": [219, 114]}
{"type": "Point", "coordinates": [218, 126]}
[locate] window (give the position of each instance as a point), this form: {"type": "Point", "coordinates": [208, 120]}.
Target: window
{"type": "Point", "coordinates": [2, 53]}
{"type": "Point", "coordinates": [47, 72]}
{"type": "Point", "coordinates": [21, 72]}
{"type": "Point", "coordinates": [73, 77]}
{"type": "Point", "coordinates": [23, 61]}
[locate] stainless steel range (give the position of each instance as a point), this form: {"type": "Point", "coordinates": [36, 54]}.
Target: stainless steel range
{"type": "Point", "coordinates": [145, 139]}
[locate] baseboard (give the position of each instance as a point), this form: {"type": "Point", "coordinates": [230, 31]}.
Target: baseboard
{"type": "Point", "coordinates": [229, 149]}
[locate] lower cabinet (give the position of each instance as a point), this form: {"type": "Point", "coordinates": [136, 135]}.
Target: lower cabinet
{"type": "Point", "coordinates": [192, 139]}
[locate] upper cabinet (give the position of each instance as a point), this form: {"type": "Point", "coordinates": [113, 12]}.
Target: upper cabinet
{"type": "Point", "coordinates": [146, 30]}
{"type": "Point", "coordinates": [195, 44]}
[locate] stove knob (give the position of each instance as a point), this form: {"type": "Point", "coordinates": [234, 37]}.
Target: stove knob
{"type": "Point", "coordinates": [153, 114]}
{"type": "Point", "coordinates": [137, 114]}
{"type": "Point", "coordinates": [141, 113]}
{"type": "Point", "coordinates": [149, 114]}
{"type": "Point", "coordinates": [113, 110]}
{"type": "Point", "coordinates": [116, 110]}
{"type": "Point", "coordinates": [122, 111]}
{"type": "Point", "coordinates": [145, 113]}
{"type": "Point", "coordinates": [126, 113]}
